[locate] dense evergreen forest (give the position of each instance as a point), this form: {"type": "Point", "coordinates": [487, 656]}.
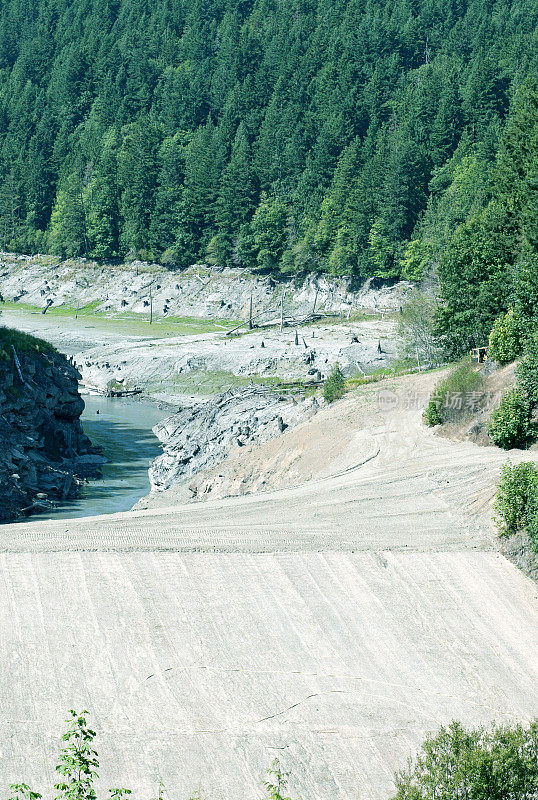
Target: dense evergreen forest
{"type": "Point", "coordinates": [366, 137]}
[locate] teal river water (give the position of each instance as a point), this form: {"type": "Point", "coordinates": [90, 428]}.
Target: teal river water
{"type": "Point", "coordinates": [123, 429]}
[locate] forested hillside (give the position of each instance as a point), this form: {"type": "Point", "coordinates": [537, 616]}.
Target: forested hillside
{"type": "Point", "coordinates": [348, 136]}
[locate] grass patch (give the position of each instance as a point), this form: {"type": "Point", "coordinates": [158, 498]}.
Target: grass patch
{"type": "Point", "coordinates": [130, 323]}
{"type": "Point", "coordinates": [22, 342]}
{"type": "Point", "coordinates": [202, 382]}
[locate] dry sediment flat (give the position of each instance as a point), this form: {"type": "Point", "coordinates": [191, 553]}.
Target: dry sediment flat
{"type": "Point", "coordinates": [339, 621]}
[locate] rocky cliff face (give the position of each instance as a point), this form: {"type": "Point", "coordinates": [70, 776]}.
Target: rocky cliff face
{"type": "Point", "coordinates": [44, 454]}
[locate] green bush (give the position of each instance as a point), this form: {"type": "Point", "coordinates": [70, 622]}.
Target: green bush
{"type": "Point", "coordinates": [432, 415]}
{"type": "Point", "coordinates": [512, 425]}
{"type": "Point", "coordinates": [527, 374]}
{"type": "Point", "coordinates": [456, 396]}
{"type": "Point", "coordinates": [335, 384]}
{"type": "Point", "coordinates": [516, 501]}
{"type": "Point", "coordinates": [507, 338]}
{"type": "Point", "coordinates": [499, 764]}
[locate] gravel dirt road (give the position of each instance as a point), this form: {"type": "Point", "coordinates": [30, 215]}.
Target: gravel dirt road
{"type": "Point", "coordinates": [332, 620]}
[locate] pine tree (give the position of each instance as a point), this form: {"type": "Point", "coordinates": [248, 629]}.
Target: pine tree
{"type": "Point", "coordinates": [103, 214]}
{"type": "Point", "coordinates": [197, 205]}
{"type": "Point", "coordinates": [235, 202]}
{"type": "Point", "coordinates": [137, 174]}
{"type": "Point", "coordinates": [67, 236]}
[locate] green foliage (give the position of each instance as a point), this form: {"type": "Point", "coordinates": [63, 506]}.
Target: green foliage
{"type": "Point", "coordinates": [78, 762]}
{"type": "Point", "coordinates": [507, 337]}
{"type": "Point", "coordinates": [457, 395]}
{"type": "Point", "coordinates": [527, 373]}
{"type": "Point", "coordinates": [277, 782]}
{"type": "Point", "coordinates": [500, 763]}
{"type": "Point", "coordinates": [78, 765]}
{"type": "Point", "coordinates": [21, 791]}
{"type": "Point", "coordinates": [516, 501]}
{"type": "Point", "coordinates": [512, 423]}
{"type": "Point", "coordinates": [488, 262]}
{"type": "Point", "coordinates": [67, 235]}
{"type": "Point", "coordinates": [333, 388]}
{"type": "Point", "coordinates": [269, 230]}
{"type": "Point", "coordinates": [163, 129]}
{"type": "Point", "coordinates": [432, 414]}
{"type": "Point", "coordinates": [22, 342]}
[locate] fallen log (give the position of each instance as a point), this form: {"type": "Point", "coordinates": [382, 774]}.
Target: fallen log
{"type": "Point", "coordinates": [122, 392]}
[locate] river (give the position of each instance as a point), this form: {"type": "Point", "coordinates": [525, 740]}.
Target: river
{"type": "Point", "coordinates": [122, 428]}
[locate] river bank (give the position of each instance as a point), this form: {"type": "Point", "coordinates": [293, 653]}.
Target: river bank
{"type": "Point", "coordinates": [212, 394]}
{"type": "Point", "coordinates": [45, 456]}
{"type": "Point", "coordinates": [174, 368]}
{"type": "Point", "coordinates": [200, 292]}
{"type": "Point", "coordinates": [170, 332]}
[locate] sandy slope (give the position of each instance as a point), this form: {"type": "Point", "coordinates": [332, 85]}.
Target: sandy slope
{"type": "Point", "coordinates": [339, 620]}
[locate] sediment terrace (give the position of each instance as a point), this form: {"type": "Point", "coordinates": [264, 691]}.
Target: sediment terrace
{"type": "Point", "coordinates": [332, 623]}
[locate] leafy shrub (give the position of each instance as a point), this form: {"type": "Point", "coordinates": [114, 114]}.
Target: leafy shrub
{"type": "Point", "coordinates": [276, 783]}
{"type": "Point", "coordinates": [511, 424]}
{"type": "Point", "coordinates": [527, 374]}
{"type": "Point", "coordinates": [457, 395]}
{"type": "Point", "coordinates": [499, 763]}
{"type": "Point", "coordinates": [516, 502]}
{"type": "Point", "coordinates": [335, 384]}
{"type": "Point", "coordinates": [432, 415]}
{"type": "Point", "coordinates": [416, 329]}
{"type": "Point", "coordinates": [507, 338]}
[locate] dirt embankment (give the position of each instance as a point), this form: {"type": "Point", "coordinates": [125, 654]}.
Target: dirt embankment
{"type": "Point", "coordinates": [203, 433]}
{"type": "Point", "coordinates": [473, 427]}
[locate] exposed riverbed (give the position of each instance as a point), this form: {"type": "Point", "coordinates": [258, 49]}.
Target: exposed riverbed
{"type": "Point", "coordinates": [194, 370]}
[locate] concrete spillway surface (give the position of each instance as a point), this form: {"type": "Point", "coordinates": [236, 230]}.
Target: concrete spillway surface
{"type": "Point", "coordinates": [200, 668]}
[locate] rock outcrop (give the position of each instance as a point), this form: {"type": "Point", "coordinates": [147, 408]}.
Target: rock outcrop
{"type": "Point", "coordinates": [44, 453]}
{"type": "Point", "coordinates": [202, 434]}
